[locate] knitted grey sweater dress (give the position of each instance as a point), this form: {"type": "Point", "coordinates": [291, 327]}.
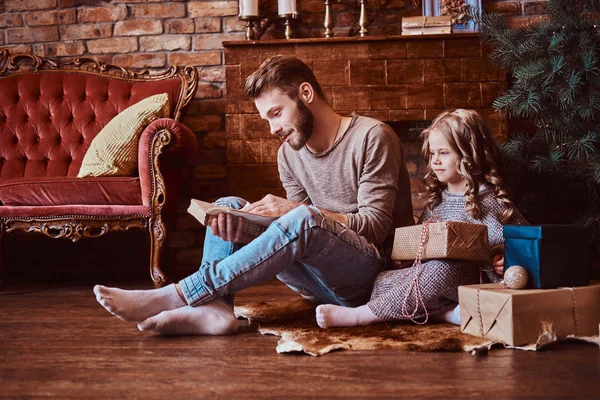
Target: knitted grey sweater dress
{"type": "Point", "coordinates": [439, 279]}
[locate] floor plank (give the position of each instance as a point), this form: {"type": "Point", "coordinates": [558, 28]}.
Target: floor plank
{"type": "Point", "coordinates": [57, 342]}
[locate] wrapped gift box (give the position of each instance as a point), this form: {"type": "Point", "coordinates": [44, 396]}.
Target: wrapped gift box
{"type": "Point", "coordinates": [426, 25]}
{"type": "Point", "coordinates": [553, 255]}
{"type": "Point", "coordinates": [449, 239]}
{"type": "Point", "coordinates": [516, 317]}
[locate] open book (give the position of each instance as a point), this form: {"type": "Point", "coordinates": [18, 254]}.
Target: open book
{"type": "Point", "coordinates": [204, 211]}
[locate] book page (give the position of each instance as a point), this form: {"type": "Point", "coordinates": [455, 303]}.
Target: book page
{"type": "Point", "coordinates": [200, 209]}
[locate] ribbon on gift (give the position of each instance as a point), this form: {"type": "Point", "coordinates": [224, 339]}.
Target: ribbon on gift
{"type": "Point", "coordinates": [417, 268]}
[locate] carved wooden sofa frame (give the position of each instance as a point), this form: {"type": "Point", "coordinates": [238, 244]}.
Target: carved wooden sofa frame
{"type": "Point", "coordinates": [165, 141]}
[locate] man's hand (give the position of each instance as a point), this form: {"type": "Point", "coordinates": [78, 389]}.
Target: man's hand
{"type": "Point", "coordinates": [228, 228]}
{"type": "Point", "coordinates": [498, 264]}
{"type": "Point", "coordinates": [271, 206]}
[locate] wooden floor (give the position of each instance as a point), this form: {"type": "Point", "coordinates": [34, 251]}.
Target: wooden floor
{"type": "Point", "coordinates": [57, 342]}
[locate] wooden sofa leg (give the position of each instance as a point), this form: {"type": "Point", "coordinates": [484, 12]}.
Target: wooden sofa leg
{"type": "Point", "coordinates": [157, 238]}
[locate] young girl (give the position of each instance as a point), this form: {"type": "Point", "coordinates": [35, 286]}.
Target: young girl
{"type": "Point", "coordinates": [463, 184]}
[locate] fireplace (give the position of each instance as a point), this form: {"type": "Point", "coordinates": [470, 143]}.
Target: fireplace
{"type": "Point", "coordinates": [404, 81]}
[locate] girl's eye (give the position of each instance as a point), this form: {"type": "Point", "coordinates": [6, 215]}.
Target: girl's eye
{"type": "Point", "coordinates": [277, 113]}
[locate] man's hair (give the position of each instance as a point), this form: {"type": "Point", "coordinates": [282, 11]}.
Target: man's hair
{"type": "Point", "coordinates": [284, 73]}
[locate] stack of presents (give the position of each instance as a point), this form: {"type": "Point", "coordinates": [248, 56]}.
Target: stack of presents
{"type": "Point", "coordinates": [557, 297]}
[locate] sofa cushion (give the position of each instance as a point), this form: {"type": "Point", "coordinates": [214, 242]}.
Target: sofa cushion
{"type": "Point", "coordinates": [114, 150]}
{"type": "Point", "coordinates": [52, 191]}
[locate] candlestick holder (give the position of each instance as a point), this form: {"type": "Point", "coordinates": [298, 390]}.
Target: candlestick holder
{"type": "Point", "coordinates": [363, 18]}
{"type": "Point", "coordinates": [250, 20]}
{"type": "Point", "coordinates": [328, 20]}
{"type": "Point", "coordinates": [289, 33]}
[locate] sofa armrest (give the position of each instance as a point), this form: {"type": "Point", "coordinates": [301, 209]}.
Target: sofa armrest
{"type": "Point", "coordinates": [181, 146]}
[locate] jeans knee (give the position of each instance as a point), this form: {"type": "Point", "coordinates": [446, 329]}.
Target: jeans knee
{"type": "Point", "coordinates": [232, 202]}
{"type": "Point", "coordinates": [301, 215]}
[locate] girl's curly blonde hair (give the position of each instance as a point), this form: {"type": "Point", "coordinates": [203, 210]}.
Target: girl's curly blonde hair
{"type": "Point", "coordinates": [479, 159]}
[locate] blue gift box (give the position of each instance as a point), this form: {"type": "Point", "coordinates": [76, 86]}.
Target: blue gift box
{"type": "Point", "coordinates": [553, 255]}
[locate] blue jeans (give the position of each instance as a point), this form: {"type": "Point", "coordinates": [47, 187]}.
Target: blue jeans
{"type": "Point", "coordinates": [318, 258]}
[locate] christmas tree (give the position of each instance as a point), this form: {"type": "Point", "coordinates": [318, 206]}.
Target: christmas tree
{"type": "Point", "coordinates": [554, 70]}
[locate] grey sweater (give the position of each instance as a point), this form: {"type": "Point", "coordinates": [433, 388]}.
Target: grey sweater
{"type": "Point", "coordinates": [439, 279]}
{"type": "Point", "coordinates": [362, 175]}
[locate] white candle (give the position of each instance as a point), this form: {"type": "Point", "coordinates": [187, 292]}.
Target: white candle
{"type": "Point", "coordinates": [286, 7]}
{"type": "Point", "coordinates": [248, 8]}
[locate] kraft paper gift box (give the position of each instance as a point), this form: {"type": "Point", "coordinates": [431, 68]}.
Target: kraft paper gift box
{"type": "Point", "coordinates": [553, 255]}
{"type": "Point", "coordinates": [517, 317]}
{"type": "Point", "coordinates": [449, 239]}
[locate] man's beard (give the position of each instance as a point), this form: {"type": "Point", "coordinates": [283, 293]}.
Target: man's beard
{"type": "Point", "coordinates": [303, 125]}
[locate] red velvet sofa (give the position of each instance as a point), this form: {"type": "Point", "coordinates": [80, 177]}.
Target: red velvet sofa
{"type": "Point", "coordinates": [49, 114]}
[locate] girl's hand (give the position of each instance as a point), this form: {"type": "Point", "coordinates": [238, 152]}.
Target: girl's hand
{"type": "Point", "coordinates": [498, 264]}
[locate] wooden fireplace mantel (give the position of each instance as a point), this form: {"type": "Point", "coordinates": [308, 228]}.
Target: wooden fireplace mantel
{"type": "Point", "coordinates": [391, 78]}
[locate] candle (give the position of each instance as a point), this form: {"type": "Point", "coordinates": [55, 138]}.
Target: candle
{"type": "Point", "coordinates": [285, 7]}
{"type": "Point", "coordinates": [248, 8]}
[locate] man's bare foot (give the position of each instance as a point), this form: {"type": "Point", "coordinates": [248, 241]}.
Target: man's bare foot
{"type": "Point", "coordinates": [138, 305]}
{"type": "Point", "coordinates": [214, 318]}
{"type": "Point", "coordinates": [329, 316]}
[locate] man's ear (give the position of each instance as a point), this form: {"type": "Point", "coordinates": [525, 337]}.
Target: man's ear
{"type": "Point", "coordinates": [306, 92]}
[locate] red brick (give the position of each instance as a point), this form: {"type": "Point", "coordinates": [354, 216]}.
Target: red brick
{"type": "Point", "coordinates": [313, 6]}
{"type": "Point", "coordinates": [388, 98]}
{"type": "Point", "coordinates": [20, 49]}
{"type": "Point", "coordinates": [193, 255]}
{"type": "Point", "coordinates": [387, 50]}
{"type": "Point", "coordinates": [165, 43]}
{"type": "Point", "coordinates": [433, 70]}
{"type": "Point", "coordinates": [253, 127]}
{"type": "Point", "coordinates": [67, 17]}
{"type": "Point", "coordinates": [411, 166]}
{"type": "Point", "coordinates": [10, 20]}
{"type": "Point", "coordinates": [412, 148]}
{"type": "Point", "coordinates": [198, 123]}
{"type": "Point", "coordinates": [424, 96]}
{"type": "Point", "coordinates": [534, 7]}
{"type": "Point", "coordinates": [462, 95]}
{"type": "Point", "coordinates": [233, 24]}
{"type": "Point", "coordinates": [60, 49]}
{"type": "Point", "coordinates": [35, 18]}
{"type": "Point", "coordinates": [404, 71]}
{"type": "Point", "coordinates": [181, 240]}
{"type": "Point", "coordinates": [212, 74]}
{"type": "Point", "coordinates": [253, 176]}
{"type": "Point", "coordinates": [417, 185]}
{"type": "Point", "coordinates": [140, 60]}
{"type": "Point", "coordinates": [216, 139]}
{"type": "Point", "coordinates": [407, 115]}
{"type": "Point", "coordinates": [212, 106]}
{"type": "Point", "coordinates": [270, 147]}
{"type": "Point", "coordinates": [332, 73]}
{"type": "Point", "coordinates": [208, 25]}
{"type": "Point", "coordinates": [367, 72]}
{"type": "Point", "coordinates": [452, 70]}
{"type": "Point", "coordinates": [112, 45]}
{"type": "Point", "coordinates": [215, 41]}
{"type": "Point", "coordinates": [243, 152]}
{"type": "Point", "coordinates": [195, 58]}
{"type": "Point", "coordinates": [521, 22]}
{"type": "Point", "coordinates": [138, 27]}
{"type": "Point", "coordinates": [24, 5]}
{"type": "Point", "coordinates": [210, 172]}
{"type": "Point", "coordinates": [490, 91]}
{"type": "Point", "coordinates": [478, 69]}
{"type": "Point", "coordinates": [208, 91]}
{"type": "Point", "coordinates": [85, 31]}
{"type": "Point", "coordinates": [32, 35]}
{"type": "Point", "coordinates": [178, 26]}
{"type": "Point", "coordinates": [233, 126]}
{"type": "Point", "coordinates": [208, 156]}
{"type": "Point", "coordinates": [351, 98]}
{"type": "Point", "coordinates": [158, 10]}
{"type": "Point", "coordinates": [213, 8]}
{"type": "Point", "coordinates": [425, 49]}
{"type": "Point", "coordinates": [462, 48]}
{"type": "Point", "coordinates": [102, 14]}
{"type": "Point", "coordinates": [503, 7]}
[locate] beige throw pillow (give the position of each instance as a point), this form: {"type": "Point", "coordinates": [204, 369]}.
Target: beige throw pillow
{"type": "Point", "coordinates": [114, 151]}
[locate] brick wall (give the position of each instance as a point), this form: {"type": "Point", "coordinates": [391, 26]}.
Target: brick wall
{"type": "Point", "coordinates": [153, 34]}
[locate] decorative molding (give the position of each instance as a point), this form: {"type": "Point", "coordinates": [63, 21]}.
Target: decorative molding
{"type": "Point", "coordinates": [74, 229]}
{"type": "Point", "coordinates": [158, 198]}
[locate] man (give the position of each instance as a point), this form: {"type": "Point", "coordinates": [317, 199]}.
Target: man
{"type": "Point", "coordinates": [347, 189]}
